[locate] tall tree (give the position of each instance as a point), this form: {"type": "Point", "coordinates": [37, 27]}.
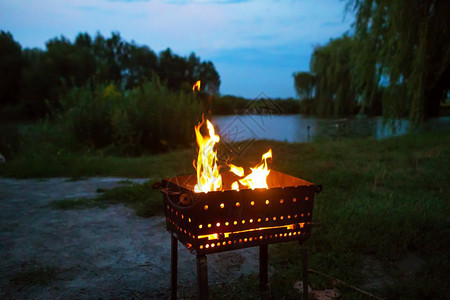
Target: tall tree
{"type": "Point", "coordinates": [406, 48]}
{"type": "Point", "coordinates": [304, 83]}
{"type": "Point", "coordinates": [331, 65]}
{"type": "Point", "coordinates": [10, 68]}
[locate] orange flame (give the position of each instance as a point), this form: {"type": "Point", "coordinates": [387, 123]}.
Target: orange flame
{"type": "Point", "coordinates": [258, 178]}
{"type": "Point", "coordinates": [235, 186]}
{"type": "Point", "coordinates": [208, 177]}
{"type": "Point", "coordinates": [239, 171]}
{"type": "Point", "coordinates": [196, 86]}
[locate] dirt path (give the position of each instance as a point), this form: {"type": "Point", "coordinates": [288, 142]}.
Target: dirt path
{"type": "Point", "coordinates": [93, 253]}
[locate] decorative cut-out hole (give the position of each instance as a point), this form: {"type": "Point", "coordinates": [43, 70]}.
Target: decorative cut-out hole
{"type": "Point", "coordinates": [245, 240]}
{"type": "Point", "coordinates": [235, 222]}
{"type": "Point", "coordinates": [229, 242]}
{"type": "Point", "coordinates": [306, 198]}
{"type": "Point", "coordinates": [274, 218]}
{"type": "Point", "coordinates": [218, 224]}
{"type": "Point", "coordinates": [295, 216]}
{"type": "Point", "coordinates": [267, 202]}
{"type": "Point", "coordinates": [290, 233]}
{"type": "Point", "coordinates": [281, 218]}
{"type": "Point", "coordinates": [226, 223]}
{"type": "Point", "coordinates": [289, 216]}
{"type": "Point", "coordinates": [189, 220]}
{"type": "Point", "coordinates": [260, 237]}
{"type": "Point", "coordinates": [243, 221]}
{"type": "Point", "coordinates": [207, 246]}
{"type": "Point", "coordinates": [252, 203]}
{"type": "Point", "coordinates": [259, 220]}
{"type": "Point", "coordinates": [201, 246]}
{"type": "Point", "coordinates": [209, 225]}
{"type": "Point", "coordinates": [167, 206]}
{"type": "Point", "coordinates": [276, 234]}
{"type": "Point", "coordinates": [212, 245]}
{"type": "Point", "coordinates": [271, 236]}
{"type": "Point", "coordinates": [251, 220]}
{"type": "Point", "coordinates": [309, 214]}
{"type": "Point", "coordinates": [295, 233]}
{"type": "Point", "coordinates": [222, 205]}
{"type": "Point", "coordinates": [250, 239]}
{"type": "Point", "coordinates": [176, 213]}
{"type": "Point", "coordinates": [267, 219]}
{"type": "Point", "coordinates": [206, 207]}
{"type": "Point", "coordinates": [182, 216]}
{"type": "Point", "coordinates": [285, 234]}
{"type": "Point", "coordinates": [240, 240]}
{"type": "Point", "coordinates": [302, 215]}
{"type": "Point", "coordinates": [294, 199]}
{"type": "Point", "coordinates": [200, 226]}
{"type": "Point", "coordinates": [281, 200]}
{"type": "Point", "coordinates": [238, 204]}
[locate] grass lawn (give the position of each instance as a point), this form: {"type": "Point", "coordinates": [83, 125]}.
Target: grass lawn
{"type": "Point", "coordinates": [382, 203]}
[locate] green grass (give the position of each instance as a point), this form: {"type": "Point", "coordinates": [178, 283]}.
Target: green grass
{"type": "Point", "coordinates": [77, 167]}
{"type": "Point", "coordinates": [381, 199]}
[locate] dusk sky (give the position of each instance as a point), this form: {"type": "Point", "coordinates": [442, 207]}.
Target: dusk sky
{"type": "Point", "coordinates": [255, 46]}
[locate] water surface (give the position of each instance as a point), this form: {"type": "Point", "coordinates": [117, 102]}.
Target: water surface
{"type": "Point", "coordinates": [301, 128]}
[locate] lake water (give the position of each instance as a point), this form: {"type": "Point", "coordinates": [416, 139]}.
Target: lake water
{"type": "Point", "coordinates": [300, 128]}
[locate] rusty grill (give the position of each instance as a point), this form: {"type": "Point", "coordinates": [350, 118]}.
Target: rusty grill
{"type": "Point", "coordinates": [227, 220]}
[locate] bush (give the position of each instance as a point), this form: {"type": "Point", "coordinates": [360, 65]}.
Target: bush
{"type": "Point", "coordinates": [9, 141]}
{"type": "Point", "coordinates": [153, 118]}
{"type": "Point", "coordinates": [150, 118]}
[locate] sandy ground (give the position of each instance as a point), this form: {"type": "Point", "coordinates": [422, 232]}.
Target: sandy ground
{"type": "Point", "coordinates": [93, 253]}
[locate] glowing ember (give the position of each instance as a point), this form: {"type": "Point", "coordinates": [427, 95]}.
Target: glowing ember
{"type": "Point", "coordinates": [208, 177]}
{"type": "Point", "coordinates": [257, 179]}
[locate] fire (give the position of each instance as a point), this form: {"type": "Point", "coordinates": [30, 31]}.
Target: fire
{"type": "Point", "coordinates": [208, 177]}
{"type": "Point", "coordinates": [258, 178]}
{"type": "Point", "coordinates": [196, 86]}
{"type": "Point", "coordinates": [239, 171]}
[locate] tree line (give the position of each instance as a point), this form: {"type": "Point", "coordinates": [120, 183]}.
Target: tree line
{"type": "Point", "coordinates": [34, 80]}
{"type": "Point", "coordinates": [394, 62]}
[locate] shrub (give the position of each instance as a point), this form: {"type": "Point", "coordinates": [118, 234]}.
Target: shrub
{"type": "Point", "coordinates": [149, 118]}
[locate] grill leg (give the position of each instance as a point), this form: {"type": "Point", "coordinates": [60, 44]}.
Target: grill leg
{"type": "Point", "coordinates": [173, 268]}
{"type": "Point", "coordinates": [305, 269]}
{"type": "Point", "coordinates": [263, 269]}
{"type": "Point", "coordinates": [202, 277]}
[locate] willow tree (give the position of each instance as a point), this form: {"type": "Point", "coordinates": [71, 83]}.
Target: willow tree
{"type": "Point", "coordinates": [404, 49]}
{"type": "Point", "coordinates": [331, 65]}
{"type": "Point", "coordinates": [304, 83]}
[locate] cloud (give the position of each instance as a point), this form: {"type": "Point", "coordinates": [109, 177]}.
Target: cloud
{"type": "Point", "coordinates": [184, 2]}
{"type": "Point", "coordinates": [128, 1]}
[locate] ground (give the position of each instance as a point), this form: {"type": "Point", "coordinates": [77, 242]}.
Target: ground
{"type": "Point", "coordinates": [95, 253]}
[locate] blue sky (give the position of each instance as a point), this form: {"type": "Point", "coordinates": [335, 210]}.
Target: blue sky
{"type": "Point", "coordinates": [254, 45]}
